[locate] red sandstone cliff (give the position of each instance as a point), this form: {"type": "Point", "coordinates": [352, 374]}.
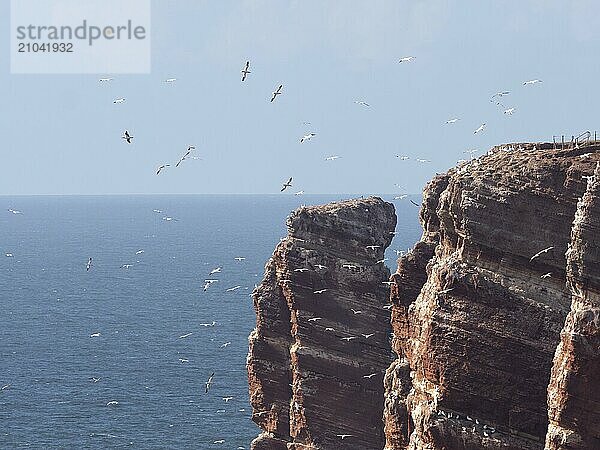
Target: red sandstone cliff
{"type": "Point", "coordinates": [494, 321]}
{"type": "Point", "coordinates": [477, 320]}
{"type": "Point", "coordinates": [321, 344]}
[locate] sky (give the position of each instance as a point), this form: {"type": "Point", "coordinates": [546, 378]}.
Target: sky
{"type": "Point", "coordinates": [61, 134]}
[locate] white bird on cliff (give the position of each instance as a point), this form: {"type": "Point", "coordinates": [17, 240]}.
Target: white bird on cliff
{"type": "Point", "coordinates": [541, 252]}
{"type": "Point", "coordinates": [329, 329]}
{"type": "Point", "coordinates": [320, 291]}
{"type": "Point", "coordinates": [546, 275]}
{"type": "Point", "coordinates": [372, 247]}
{"type": "Point", "coordinates": [277, 92]}
{"type": "Point", "coordinates": [349, 338]}
{"type": "Point", "coordinates": [246, 71]}
{"type": "Point", "coordinates": [314, 319]}
{"type": "Point", "coordinates": [320, 266]}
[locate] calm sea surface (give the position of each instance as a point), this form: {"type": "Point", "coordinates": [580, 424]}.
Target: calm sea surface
{"type": "Point", "coordinates": [73, 341]}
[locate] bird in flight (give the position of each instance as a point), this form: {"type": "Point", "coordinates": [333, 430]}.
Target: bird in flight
{"type": "Point", "coordinates": [209, 383]}
{"type": "Point", "coordinates": [541, 252]}
{"type": "Point", "coordinates": [509, 111]}
{"type": "Point", "coordinates": [216, 270]}
{"type": "Point", "coordinates": [356, 311]}
{"type": "Point", "coordinates": [415, 203]}
{"type": "Point", "coordinates": [407, 59]}
{"type": "Point", "coordinates": [369, 376]}
{"type": "Point", "coordinates": [183, 336]}
{"type": "Point", "coordinates": [246, 71]}
{"type": "Point", "coordinates": [276, 93]}
{"type": "Point", "coordinates": [307, 137]}
{"type": "Point", "coordinates": [187, 153]}
{"type": "Point", "coordinates": [119, 100]}
{"type": "Point", "coordinates": [287, 185]}
{"type": "Point", "coordinates": [362, 103]}
{"type": "Point", "coordinates": [530, 82]}
{"type": "Point", "coordinates": [343, 436]}
{"type": "Point", "coordinates": [480, 129]}
{"type": "Point", "coordinates": [235, 288]}
{"type": "Point", "coordinates": [332, 158]}
{"type": "Point", "coordinates": [454, 120]}
{"type": "Point", "coordinates": [320, 291]}
{"type": "Point", "coordinates": [88, 266]}
{"type": "Point", "coordinates": [239, 258]}
{"type": "Point", "coordinates": [105, 80]}
{"type": "Point", "coordinates": [170, 80]}
{"type": "Point", "coordinates": [403, 157]}
{"type": "Point", "coordinates": [499, 94]}
{"type": "Point", "coordinates": [161, 167]}
{"type": "Point", "coordinates": [314, 319]}
{"type": "Point", "coordinates": [128, 137]}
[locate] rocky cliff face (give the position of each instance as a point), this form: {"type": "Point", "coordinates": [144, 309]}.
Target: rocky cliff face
{"type": "Point", "coordinates": [322, 339]}
{"type": "Point", "coordinates": [494, 318]}
{"type": "Point", "coordinates": [574, 391]}
{"type": "Point", "coordinates": [477, 315]}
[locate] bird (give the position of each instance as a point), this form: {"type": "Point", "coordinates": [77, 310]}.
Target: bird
{"type": "Point", "coordinates": [299, 193]}
{"type": "Point", "coordinates": [235, 288]}
{"type": "Point", "coordinates": [499, 94]}
{"type": "Point", "coordinates": [105, 80]}
{"type": "Point", "coordinates": [320, 291]}
{"type": "Point", "coordinates": [112, 403]}
{"type": "Point", "coordinates": [530, 82]}
{"type": "Point", "coordinates": [415, 203]}
{"type": "Point", "coordinates": [161, 167]}
{"type": "Point", "coordinates": [332, 158]}
{"type": "Point", "coordinates": [94, 379]}
{"type": "Point", "coordinates": [170, 80]}
{"type": "Point", "coordinates": [246, 71]}
{"type": "Point", "coordinates": [139, 252]}
{"type": "Point", "coordinates": [423, 161]}
{"type": "Point", "coordinates": [367, 336]}
{"type": "Point", "coordinates": [212, 324]}
{"type": "Point", "coordinates": [356, 311]}
{"type": "Point", "coordinates": [184, 157]}
{"type": "Point", "coordinates": [480, 129]}
{"type": "Point", "coordinates": [362, 103]}
{"type": "Point", "coordinates": [239, 258]}
{"type": "Point", "coordinates": [349, 338]}
{"type": "Point", "coordinates": [119, 100]}
{"type": "Point", "coordinates": [343, 436]}
{"type": "Point", "coordinates": [14, 211]}
{"type": "Point", "coordinates": [369, 376]}
{"type": "Point", "coordinates": [454, 120]}
{"type": "Point", "coordinates": [216, 270]}
{"type": "Point", "coordinates": [307, 137]}
{"type": "Point", "coordinates": [183, 360]}
{"type": "Point", "coordinates": [541, 252]}
{"type": "Point", "coordinates": [225, 345]}
{"type": "Point", "coordinates": [226, 399]}
{"type": "Point", "coordinates": [97, 334]}
{"type": "Point", "coordinates": [372, 247]}
{"type": "Point", "coordinates": [400, 197]}
{"type": "Point", "coordinates": [276, 93]}
{"type": "Point", "coordinates": [314, 319]}
{"type": "Point", "coordinates": [403, 157]}
{"type": "Point", "coordinates": [301, 269]}
{"type": "Point", "coordinates": [209, 383]}
{"type": "Point", "coordinates": [329, 329]}
{"type": "Point", "coordinates": [407, 59]}
{"type": "Point", "coordinates": [286, 184]}
{"type": "Point", "coordinates": [88, 266]}
{"type": "Point", "coordinates": [219, 441]}
{"type": "Point", "coordinates": [126, 266]}
{"type": "Point", "coordinates": [183, 336]}
{"type": "Point", "coordinates": [509, 111]}
{"type": "Point", "coordinates": [320, 266]}
{"type": "Point", "coordinates": [9, 255]}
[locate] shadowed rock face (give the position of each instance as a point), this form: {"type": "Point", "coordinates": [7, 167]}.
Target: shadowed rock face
{"type": "Point", "coordinates": [476, 320]}
{"type": "Point", "coordinates": [321, 330]}
{"type": "Point", "coordinates": [574, 391]}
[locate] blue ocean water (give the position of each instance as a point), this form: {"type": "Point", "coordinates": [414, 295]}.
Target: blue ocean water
{"type": "Point", "coordinates": [72, 341]}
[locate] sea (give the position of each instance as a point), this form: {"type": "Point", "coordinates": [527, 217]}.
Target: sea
{"type": "Point", "coordinates": [118, 356]}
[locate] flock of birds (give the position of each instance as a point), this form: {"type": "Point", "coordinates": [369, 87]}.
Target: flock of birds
{"type": "Point", "coordinates": [498, 99]}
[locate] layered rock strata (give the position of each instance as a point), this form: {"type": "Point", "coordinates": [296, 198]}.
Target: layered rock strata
{"type": "Point", "coordinates": [574, 391]}
{"type": "Point", "coordinates": [321, 344]}
{"type": "Point", "coordinates": [480, 302]}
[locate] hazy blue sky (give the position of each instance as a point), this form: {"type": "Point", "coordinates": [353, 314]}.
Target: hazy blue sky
{"type": "Point", "coordinates": [61, 134]}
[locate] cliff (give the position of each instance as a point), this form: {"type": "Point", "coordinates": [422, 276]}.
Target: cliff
{"type": "Point", "coordinates": [494, 318]}
{"type": "Point", "coordinates": [321, 344]}
{"type": "Point", "coordinates": [480, 302]}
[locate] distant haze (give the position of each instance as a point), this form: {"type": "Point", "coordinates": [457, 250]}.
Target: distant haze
{"type": "Point", "coordinates": [62, 134]}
